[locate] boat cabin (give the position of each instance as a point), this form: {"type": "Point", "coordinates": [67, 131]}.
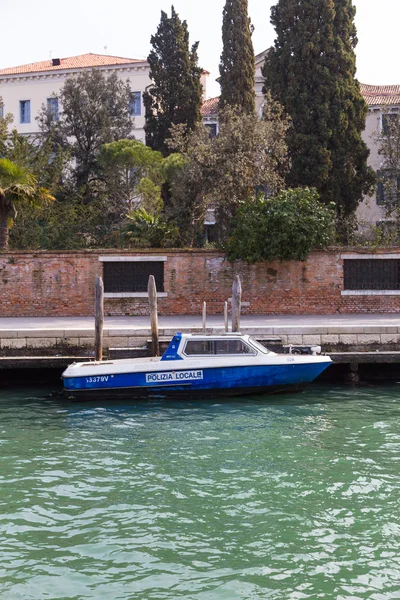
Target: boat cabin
{"type": "Point", "coordinates": [191, 345]}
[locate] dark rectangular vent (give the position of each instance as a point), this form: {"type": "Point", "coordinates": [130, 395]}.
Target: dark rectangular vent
{"type": "Point", "coordinates": [56, 62]}
{"type": "Point", "coordinates": [122, 277]}
{"type": "Point", "coordinates": [373, 274]}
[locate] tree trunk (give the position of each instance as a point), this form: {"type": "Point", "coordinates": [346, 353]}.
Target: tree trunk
{"type": "Point", "coordinates": [4, 214]}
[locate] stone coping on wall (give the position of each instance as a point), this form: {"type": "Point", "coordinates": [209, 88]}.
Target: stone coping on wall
{"type": "Point", "coordinates": [78, 345]}
{"type": "Point", "coordinates": [348, 252]}
{"type": "Point", "coordinates": [116, 251]}
{"type": "Point", "coordinates": [259, 331]}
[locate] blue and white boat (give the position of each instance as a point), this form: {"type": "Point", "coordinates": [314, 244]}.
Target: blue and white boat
{"type": "Point", "coordinates": [196, 365]}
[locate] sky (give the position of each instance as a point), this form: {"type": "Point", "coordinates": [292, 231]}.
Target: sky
{"type": "Point", "coordinates": [36, 30]}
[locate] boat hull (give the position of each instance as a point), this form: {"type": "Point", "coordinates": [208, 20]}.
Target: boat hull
{"type": "Point", "coordinates": [195, 383]}
{"type": "Point", "coordinates": [175, 394]}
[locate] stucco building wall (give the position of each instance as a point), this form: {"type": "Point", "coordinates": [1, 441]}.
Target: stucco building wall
{"type": "Point", "coordinates": [369, 212]}
{"type": "Point", "coordinates": [38, 87]}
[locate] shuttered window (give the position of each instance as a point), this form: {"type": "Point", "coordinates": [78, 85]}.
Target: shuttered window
{"type": "Point", "coordinates": [388, 187]}
{"type": "Point", "coordinates": [135, 104]}
{"type": "Point", "coordinates": [25, 111]}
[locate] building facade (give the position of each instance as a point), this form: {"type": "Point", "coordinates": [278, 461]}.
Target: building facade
{"type": "Point", "coordinates": [209, 109]}
{"type": "Point", "coordinates": [382, 101]}
{"type": "Point", "coordinates": [25, 89]}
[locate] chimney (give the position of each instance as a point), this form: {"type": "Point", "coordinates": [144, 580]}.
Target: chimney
{"type": "Point", "coordinates": [56, 62]}
{"type": "Point", "coordinates": [203, 80]}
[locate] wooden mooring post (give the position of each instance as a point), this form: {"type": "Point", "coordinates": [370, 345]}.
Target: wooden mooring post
{"type": "Point", "coordinates": [204, 317]}
{"type": "Point", "coordinates": [236, 303]}
{"type": "Point", "coordinates": [226, 316]}
{"type": "Point", "coordinates": [98, 319]}
{"type": "Point", "coordinates": [152, 292]}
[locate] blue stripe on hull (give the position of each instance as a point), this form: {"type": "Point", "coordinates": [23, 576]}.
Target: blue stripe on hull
{"type": "Point", "coordinates": [220, 378]}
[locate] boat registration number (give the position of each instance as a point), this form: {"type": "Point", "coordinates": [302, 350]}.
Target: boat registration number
{"type": "Point", "coordinates": [174, 376]}
{"type": "Point", "coordinates": [97, 379]}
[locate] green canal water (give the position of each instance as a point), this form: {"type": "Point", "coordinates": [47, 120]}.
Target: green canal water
{"type": "Point", "coordinates": [286, 498]}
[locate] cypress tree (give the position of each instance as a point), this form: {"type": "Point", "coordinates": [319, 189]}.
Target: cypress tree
{"type": "Point", "coordinates": [237, 68]}
{"type": "Point", "coordinates": [311, 72]}
{"type": "Point", "coordinates": [176, 94]}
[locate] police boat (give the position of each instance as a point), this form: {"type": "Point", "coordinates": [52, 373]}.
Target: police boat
{"type": "Point", "coordinates": [196, 365]}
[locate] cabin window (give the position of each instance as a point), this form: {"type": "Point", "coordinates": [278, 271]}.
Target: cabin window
{"type": "Point", "coordinates": [232, 347]}
{"type": "Point", "coordinates": [219, 347]}
{"type": "Point", "coordinates": [199, 347]}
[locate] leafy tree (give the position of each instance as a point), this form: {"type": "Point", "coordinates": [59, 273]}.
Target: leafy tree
{"type": "Point", "coordinates": [311, 72]}
{"type": "Point", "coordinates": [49, 163]}
{"type": "Point", "coordinates": [176, 94]}
{"type": "Point", "coordinates": [224, 171]}
{"type": "Point", "coordinates": [5, 121]}
{"type": "Point", "coordinates": [133, 171]}
{"type": "Point", "coordinates": [237, 67]}
{"type": "Point", "coordinates": [285, 227]}
{"type": "Point", "coordinates": [68, 224]}
{"type": "Point", "coordinates": [17, 186]}
{"type": "Point", "coordinates": [95, 111]}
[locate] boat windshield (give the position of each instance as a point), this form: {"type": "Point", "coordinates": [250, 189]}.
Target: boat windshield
{"type": "Point", "coordinates": [217, 347]}
{"type": "Point", "coordinates": [259, 346]}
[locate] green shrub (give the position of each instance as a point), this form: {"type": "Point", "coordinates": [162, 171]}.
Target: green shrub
{"type": "Point", "coordinates": [286, 227]}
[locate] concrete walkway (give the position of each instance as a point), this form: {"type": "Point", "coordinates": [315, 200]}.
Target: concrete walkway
{"type": "Point", "coordinates": [74, 336]}
{"type": "Point", "coordinates": [373, 323]}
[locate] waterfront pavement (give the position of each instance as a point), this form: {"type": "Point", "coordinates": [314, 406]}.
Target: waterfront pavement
{"type": "Point", "coordinates": [272, 324]}
{"type": "Point", "coordinates": [26, 339]}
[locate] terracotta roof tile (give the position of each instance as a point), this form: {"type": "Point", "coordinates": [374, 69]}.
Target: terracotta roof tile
{"type": "Point", "coordinates": [381, 95]}
{"type": "Point", "coordinates": [210, 107]}
{"type": "Point", "coordinates": [72, 62]}
{"type": "Point", "coordinates": [374, 95]}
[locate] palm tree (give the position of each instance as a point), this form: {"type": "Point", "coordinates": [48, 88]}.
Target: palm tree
{"type": "Point", "coordinates": [145, 229]}
{"type": "Point", "coordinates": [17, 185]}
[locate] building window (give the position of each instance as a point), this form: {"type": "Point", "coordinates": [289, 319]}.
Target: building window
{"type": "Point", "coordinates": [135, 104]}
{"type": "Point", "coordinates": [1, 110]}
{"type": "Point", "coordinates": [389, 123]}
{"type": "Point", "coordinates": [123, 277]}
{"type": "Point", "coordinates": [212, 128]}
{"type": "Point", "coordinates": [388, 187]}
{"type": "Point", "coordinates": [25, 111]}
{"type": "Point", "coordinates": [372, 274]}
{"type": "Point", "coordinates": [52, 107]}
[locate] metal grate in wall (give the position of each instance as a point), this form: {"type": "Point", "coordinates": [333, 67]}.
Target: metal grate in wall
{"type": "Point", "coordinates": [374, 274]}
{"type": "Point", "coordinates": [122, 277]}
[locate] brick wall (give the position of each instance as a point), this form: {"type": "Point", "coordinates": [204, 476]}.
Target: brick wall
{"type": "Point", "coordinates": [62, 284]}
